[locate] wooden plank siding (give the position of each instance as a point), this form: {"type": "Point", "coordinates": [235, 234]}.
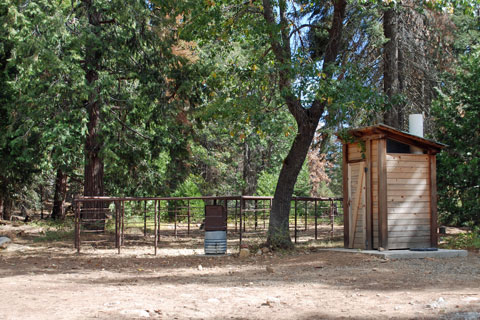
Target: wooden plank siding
{"type": "Point", "coordinates": [357, 205]}
{"type": "Point", "coordinates": [355, 152]}
{"type": "Point", "coordinates": [399, 207]}
{"type": "Point", "coordinates": [433, 200]}
{"type": "Point", "coordinates": [374, 192]}
{"type": "Point", "coordinates": [346, 208]}
{"type": "Point", "coordinates": [382, 195]}
{"type": "Point", "coordinates": [368, 237]}
{"type": "Point", "coordinates": [408, 200]}
{"type": "Point", "coordinates": [362, 230]}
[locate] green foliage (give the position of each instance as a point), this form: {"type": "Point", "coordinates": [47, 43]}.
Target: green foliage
{"type": "Point", "coordinates": [303, 187]}
{"type": "Point", "coordinates": [334, 172]}
{"type": "Point", "coordinates": [189, 187]}
{"type": "Point", "coordinates": [468, 33]}
{"type": "Point", "coordinates": [239, 130]}
{"type": "Point", "coordinates": [145, 91]}
{"type": "Point", "coordinates": [55, 235]}
{"type": "Point", "coordinates": [457, 113]}
{"type": "Point", "coordinates": [193, 106]}
{"type": "Point", "coordinates": [467, 240]}
{"type": "Point", "coordinates": [19, 142]}
{"type": "Point", "coordinates": [54, 230]}
{"type": "Point", "coordinates": [267, 182]}
{"type": "Point", "coordinates": [242, 90]}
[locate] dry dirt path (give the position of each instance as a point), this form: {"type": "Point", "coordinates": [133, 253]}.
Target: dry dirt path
{"type": "Point", "coordinates": [51, 281]}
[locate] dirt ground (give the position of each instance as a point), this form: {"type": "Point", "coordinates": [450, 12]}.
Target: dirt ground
{"type": "Point", "coordinates": [49, 280]}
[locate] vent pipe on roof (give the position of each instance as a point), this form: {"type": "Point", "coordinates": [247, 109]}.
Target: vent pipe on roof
{"type": "Point", "coordinates": [415, 127]}
{"type": "Point", "coordinates": [415, 124]}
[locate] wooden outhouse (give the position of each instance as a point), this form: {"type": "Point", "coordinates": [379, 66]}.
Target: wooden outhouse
{"type": "Point", "coordinates": [389, 187]}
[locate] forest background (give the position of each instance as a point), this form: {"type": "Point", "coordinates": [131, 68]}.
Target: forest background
{"type": "Point", "coordinates": [191, 98]}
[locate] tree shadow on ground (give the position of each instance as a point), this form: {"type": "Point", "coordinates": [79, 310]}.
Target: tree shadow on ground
{"type": "Point", "coordinates": [335, 269]}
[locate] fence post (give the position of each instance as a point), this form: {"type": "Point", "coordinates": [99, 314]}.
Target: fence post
{"type": "Point", "coordinates": [332, 220]}
{"type": "Point", "coordinates": [241, 213]}
{"type": "Point", "coordinates": [295, 221]}
{"type": "Point", "coordinates": [41, 203]}
{"type": "Point", "coordinates": [117, 226]}
{"type": "Point", "coordinates": [235, 214]}
{"type": "Point", "coordinates": [306, 215]}
{"type": "Point", "coordinates": [175, 213]}
{"type": "Point", "coordinates": [77, 225]}
{"type": "Point", "coordinates": [226, 213]}
{"type": "Point", "coordinates": [159, 218]}
{"type": "Point", "coordinates": [188, 217]}
{"type": "Point", "coordinates": [264, 215]}
{"type": "Point", "coordinates": [256, 218]}
{"type": "Point", "coordinates": [155, 226]}
{"type": "Point", "coordinates": [145, 218]}
{"type": "Point", "coordinates": [121, 226]}
{"type": "Point", "coordinates": [270, 209]}
{"type": "Point", "coordinates": [316, 220]}
{"type": "Point", "coordinates": [243, 204]}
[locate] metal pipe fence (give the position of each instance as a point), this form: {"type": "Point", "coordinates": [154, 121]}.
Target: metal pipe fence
{"type": "Point", "coordinates": [180, 217]}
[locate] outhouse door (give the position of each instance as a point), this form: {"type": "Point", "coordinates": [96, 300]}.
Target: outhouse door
{"type": "Point", "coordinates": [357, 205]}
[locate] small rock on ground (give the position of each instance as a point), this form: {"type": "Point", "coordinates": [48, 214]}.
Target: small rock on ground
{"type": "Point", "coordinates": [4, 242]}
{"type": "Point", "coordinates": [136, 313]}
{"type": "Point", "coordinates": [244, 253]}
{"type": "Point", "coordinates": [213, 301]}
{"type": "Point", "coordinates": [463, 316]}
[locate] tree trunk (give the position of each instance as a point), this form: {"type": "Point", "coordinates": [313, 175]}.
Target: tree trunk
{"type": "Point", "coordinates": [1, 207]}
{"type": "Point", "coordinates": [41, 201]}
{"type": "Point", "coordinates": [249, 171]}
{"type": "Point", "coordinates": [7, 208]}
{"type": "Point", "coordinates": [58, 211]}
{"type": "Point", "coordinates": [307, 118]}
{"type": "Point", "coordinates": [93, 184]}
{"type": "Point", "coordinates": [278, 228]}
{"type": "Point", "coordinates": [393, 115]}
{"type": "Point", "coordinates": [93, 175]}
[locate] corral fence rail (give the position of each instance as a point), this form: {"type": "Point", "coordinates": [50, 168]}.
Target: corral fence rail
{"type": "Point", "coordinates": [181, 216]}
